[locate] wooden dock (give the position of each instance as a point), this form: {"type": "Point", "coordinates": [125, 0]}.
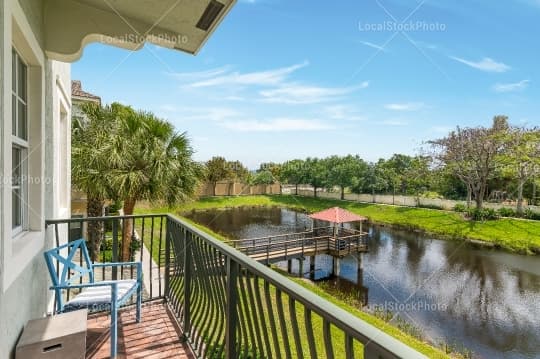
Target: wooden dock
{"type": "Point", "coordinates": [303, 244]}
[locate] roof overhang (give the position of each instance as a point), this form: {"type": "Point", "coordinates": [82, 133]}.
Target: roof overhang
{"type": "Point", "coordinates": [177, 24]}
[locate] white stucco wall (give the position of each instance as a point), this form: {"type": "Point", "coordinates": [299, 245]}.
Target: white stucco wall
{"type": "Point", "coordinates": [24, 279]}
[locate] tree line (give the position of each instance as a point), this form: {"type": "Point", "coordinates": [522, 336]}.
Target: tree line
{"type": "Point", "coordinates": [500, 162]}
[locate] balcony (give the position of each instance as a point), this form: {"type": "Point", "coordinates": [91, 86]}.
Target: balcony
{"type": "Point", "coordinates": [206, 299]}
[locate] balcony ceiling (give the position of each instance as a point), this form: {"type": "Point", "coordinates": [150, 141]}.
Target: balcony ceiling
{"type": "Point", "coordinates": [179, 24]}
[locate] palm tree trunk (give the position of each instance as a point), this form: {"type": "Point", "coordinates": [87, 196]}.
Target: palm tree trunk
{"type": "Point", "coordinates": [127, 229]}
{"type": "Point", "coordinates": [96, 229]}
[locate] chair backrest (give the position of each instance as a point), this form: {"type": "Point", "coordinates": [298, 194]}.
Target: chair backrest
{"type": "Point", "coordinates": [63, 269]}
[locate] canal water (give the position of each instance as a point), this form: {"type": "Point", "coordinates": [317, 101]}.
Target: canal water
{"type": "Point", "coordinates": [484, 300]}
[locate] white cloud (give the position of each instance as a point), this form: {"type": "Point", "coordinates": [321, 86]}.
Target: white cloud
{"type": "Point", "coordinates": [197, 75]}
{"type": "Point", "coordinates": [306, 94]}
{"type": "Point", "coordinates": [409, 106]}
{"type": "Point", "coordinates": [511, 87]}
{"type": "Point", "coordinates": [223, 77]}
{"type": "Point", "coordinates": [204, 113]}
{"type": "Point", "coordinates": [486, 64]}
{"type": "Point", "coordinates": [342, 112]}
{"type": "Point", "coordinates": [374, 46]}
{"type": "Point", "coordinates": [394, 123]}
{"type": "Point", "coordinates": [276, 125]}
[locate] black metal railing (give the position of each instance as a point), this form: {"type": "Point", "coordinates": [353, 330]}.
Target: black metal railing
{"type": "Point", "coordinates": [147, 234]}
{"type": "Point", "coordinates": [230, 306]}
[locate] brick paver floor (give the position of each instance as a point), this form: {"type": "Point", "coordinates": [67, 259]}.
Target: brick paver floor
{"type": "Point", "coordinates": [156, 336]}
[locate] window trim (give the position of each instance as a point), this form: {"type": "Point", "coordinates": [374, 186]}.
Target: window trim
{"type": "Point", "coordinates": [23, 144]}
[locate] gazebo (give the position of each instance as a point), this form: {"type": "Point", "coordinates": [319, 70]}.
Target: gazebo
{"type": "Point", "coordinates": [338, 216]}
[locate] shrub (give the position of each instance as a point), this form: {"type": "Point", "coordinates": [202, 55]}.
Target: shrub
{"type": "Point", "coordinates": [481, 214]}
{"type": "Point", "coordinates": [506, 212]}
{"type": "Point", "coordinates": [460, 207]}
{"type": "Point", "coordinates": [530, 214]}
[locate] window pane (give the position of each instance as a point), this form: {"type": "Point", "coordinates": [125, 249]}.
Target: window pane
{"type": "Point", "coordinates": [21, 85]}
{"type": "Point", "coordinates": [22, 122]}
{"type": "Point", "coordinates": [16, 208]}
{"type": "Point", "coordinates": [16, 163]}
{"type": "Point", "coordinates": [14, 115]}
{"type": "Point", "coordinates": [14, 71]}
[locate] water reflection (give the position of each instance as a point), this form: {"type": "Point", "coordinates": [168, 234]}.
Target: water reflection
{"type": "Point", "coordinates": [485, 300]}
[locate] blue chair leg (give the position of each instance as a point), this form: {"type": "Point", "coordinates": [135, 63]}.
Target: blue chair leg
{"type": "Point", "coordinates": [139, 303]}
{"type": "Point", "coordinates": [114, 322]}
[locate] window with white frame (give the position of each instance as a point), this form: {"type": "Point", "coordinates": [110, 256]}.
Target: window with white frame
{"type": "Point", "coordinates": [19, 147]}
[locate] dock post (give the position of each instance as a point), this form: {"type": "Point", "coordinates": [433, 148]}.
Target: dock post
{"type": "Point", "coordinates": [301, 267]}
{"type": "Point", "coordinates": [289, 266]}
{"type": "Point", "coordinates": [336, 262]}
{"type": "Point", "coordinates": [312, 267]}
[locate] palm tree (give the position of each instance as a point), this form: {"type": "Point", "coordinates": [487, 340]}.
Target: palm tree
{"type": "Point", "coordinates": [149, 161]}
{"type": "Point", "coordinates": [89, 165]}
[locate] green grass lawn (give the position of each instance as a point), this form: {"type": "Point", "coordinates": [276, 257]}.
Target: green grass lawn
{"type": "Point", "coordinates": [515, 235]}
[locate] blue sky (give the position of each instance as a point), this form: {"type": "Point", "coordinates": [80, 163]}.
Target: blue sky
{"type": "Point", "coordinates": [283, 79]}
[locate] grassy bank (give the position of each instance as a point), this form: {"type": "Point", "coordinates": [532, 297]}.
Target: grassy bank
{"type": "Point", "coordinates": [515, 235]}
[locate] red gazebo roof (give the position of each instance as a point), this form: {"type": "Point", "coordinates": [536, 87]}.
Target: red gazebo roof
{"type": "Point", "coordinates": [337, 215]}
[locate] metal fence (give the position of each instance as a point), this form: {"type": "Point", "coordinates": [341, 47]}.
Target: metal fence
{"type": "Point", "coordinates": [230, 306]}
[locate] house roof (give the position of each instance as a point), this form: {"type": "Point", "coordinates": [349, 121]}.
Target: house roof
{"type": "Point", "coordinates": [69, 25]}
{"type": "Point", "coordinates": [78, 93]}
{"type": "Point", "coordinates": [337, 215]}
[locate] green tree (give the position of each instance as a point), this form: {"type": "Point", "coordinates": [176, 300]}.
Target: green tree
{"type": "Point", "coordinates": [149, 161]}
{"type": "Point", "coordinates": [345, 172]}
{"type": "Point", "coordinates": [273, 168]}
{"type": "Point", "coordinates": [218, 169]}
{"type": "Point", "coordinates": [316, 174]}
{"type": "Point", "coordinates": [374, 180]}
{"type": "Point", "coordinates": [418, 175]}
{"type": "Point", "coordinates": [263, 177]}
{"type": "Point", "coordinates": [293, 172]}
{"type": "Point", "coordinates": [90, 168]}
{"type": "Point", "coordinates": [521, 158]}
{"type": "Point", "coordinates": [239, 172]}
{"type": "Point", "coordinates": [471, 154]}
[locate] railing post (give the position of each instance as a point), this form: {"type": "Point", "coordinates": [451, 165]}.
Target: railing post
{"type": "Point", "coordinates": [168, 239]}
{"type": "Point", "coordinates": [268, 253]}
{"type": "Point", "coordinates": [231, 311]}
{"type": "Point", "coordinates": [115, 248]}
{"type": "Point", "coordinates": [187, 284]}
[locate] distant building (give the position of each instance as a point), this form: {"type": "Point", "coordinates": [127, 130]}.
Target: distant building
{"type": "Point", "coordinates": [79, 98]}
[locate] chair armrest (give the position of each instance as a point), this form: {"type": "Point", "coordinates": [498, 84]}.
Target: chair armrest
{"type": "Point", "coordinates": [117, 264]}
{"type": "Point", "coordinates": [85, 285]}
